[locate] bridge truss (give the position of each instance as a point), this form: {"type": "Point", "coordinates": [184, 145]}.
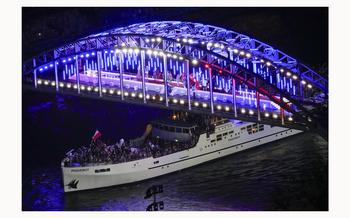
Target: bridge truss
{"type": "Point", "coordinates": [184, 66]}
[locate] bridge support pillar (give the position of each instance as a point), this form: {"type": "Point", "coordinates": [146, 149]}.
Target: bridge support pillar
{"type": "Point", "coordinates": [143, 76]}
{"type": "Point", "coordinates": [258, 104]}
{"type": "Point", "coordinates": [187, 69]}
{"type": "Point", "coordinates": [211, 91]}
{"type": "Point", "coordinates": [165, 81]}
{"type": "Point", "coordinates": [282, 115]}
{"type": "Point", "coordinates": [99, 58]}
{"type": "Point", "coordinates": [56, 76]}
{"type": "Point", "coordinates": [34, 73]}
{"type": "Point", "coordinates": [121, 74]}
{"type": "Point", "coordinates": [234, 105]}
{"type": "Point", "coordinates": [77, 74]}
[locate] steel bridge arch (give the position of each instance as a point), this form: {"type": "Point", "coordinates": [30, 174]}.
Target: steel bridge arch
{"type": "Point", "coordinates": [154, 29]}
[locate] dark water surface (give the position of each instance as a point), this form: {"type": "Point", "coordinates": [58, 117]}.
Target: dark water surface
{"type": "Point", "coordinates": [290, 174]}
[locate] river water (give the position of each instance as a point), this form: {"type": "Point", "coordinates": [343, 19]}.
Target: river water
{"type": "Point", "coordinates": [290, 174]}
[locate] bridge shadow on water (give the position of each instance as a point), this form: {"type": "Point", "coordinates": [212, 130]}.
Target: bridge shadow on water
{"type": "Point", "coordinates": [290, 174]}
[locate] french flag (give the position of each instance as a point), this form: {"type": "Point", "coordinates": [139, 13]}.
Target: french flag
{"type": "Point", "coordinates": [96, 135]}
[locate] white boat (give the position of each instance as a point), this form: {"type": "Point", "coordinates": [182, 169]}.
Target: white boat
{"type": "Point", "coordinates": [169, 146]}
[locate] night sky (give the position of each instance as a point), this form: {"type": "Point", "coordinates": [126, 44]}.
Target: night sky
{"type": "Point", "coordinates": [300, 32]}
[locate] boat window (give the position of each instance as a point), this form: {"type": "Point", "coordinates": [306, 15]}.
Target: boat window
{"type": "Point", "coordinates": [172, 129]}
{"type": "Point", "coordinates": [243, 128]}
{"type": "Point", "coordinates": [219, 139]}
{"type": "Point", "coordinates": [165, 128]}
{"type": "Point", "coordinates": [178, 130]}
{"type": "Point", "coordinates": [186, 130]}
{"type": "Point", "coordinates": [230, 132]}
{"type": "Point", "coordinates": [212, 141]}
{"type": "Point", "coordinates": [218, 136]}
{"type": "Point", "coordinates": [224, 134]}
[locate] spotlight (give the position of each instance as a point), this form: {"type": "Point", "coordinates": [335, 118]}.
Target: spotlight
{"type": "Point", "coordinates": [158, 39]}
{"type": "Point", "coordinates": [133, 94]}
{"type": "Point", "coordinates": [126, 93]}
{"type": "Point", "coordinates": [117, 51]}
{"type": "Point", "coordinates": [89, 88]}
{"type": "Point", "coordinates": [130, 50]}
{"type": "Point", "coordinates": [45, 67]}
{"type": "Point", "coordinates": [147, 96]}
{"type": "Point", "coordinates": [209, 44]}
{"type": "Point", "coordinates": [205, 105]}
{"type": "Point", "coordinates": [82, 87]}
{"type": "Point", "coordinates": [248, 55]}
{"type": "Point", "coordinates": [216, 45]}
{"type": "Point", "coordinates": [136, 50]}
{"type": "Point", "coordinates": [178, 39]}
{"type": "Point", "coordinates": [87, 55]}
{"type": "Point", "coordinates": [111, 91]}
{"type": "Point", "coordinates": [39, 81]}
{"type": "Point", "coordinates": [268, 64]}
{"type": "Point", "coordinates": [275, 116]}
{"type": "Point", "coordinates": [96, 89]}
{"type": "Point", "coordinates": [155, 53]}
{"type": "Point", "coordinates": [161, 53]}
{"type": "Point", "coordinates": [93, 53]}
{"type": "Point", "coordinates": [149, 52]}
{"type": "Point", "coordinates": [219, 107]}
{"type": "Point", "coordinates": [140, 95]}
{"type": "Point", "coordinates": [41, 69]}
{"type": "Point", "coordinates": [69, 59]}
{"type": "Point", "coordinates": [227, 108]}
{"type": "Point", "coordinates": [118, 92]}
{"type": "Point", "coordinates": [69, 85]}
{"type": "Point", "coordinates": [194, 62]}
{"type": "Point", "coordinates": [242, 53]}
{"type": "Point", "coordinates": [153, 40]}
{"type": "Point", "coordinates": [181, 58]}
{"type": "Point", "coordinates": [182, 101]}
{"type": "Point", "coordinates": [281, 70]}
{"type": "Point", "coordinates": [153, 97]}
{"type": "Point", "coordinates": [262, 60]}
{"type": "Point", "coordinates": [243, 111]}
{"type": "Point", "coordinates": [190, 41]}
{"type": "Point", "coordinates": [309, 86]}
{"type": "Point", "coordinates": [184, 40]}
{"type": "Point", "coordinates": [46, 82]}
{"type": "Point", "coordinates": [160, 98]}
{"type": "Point", "coordinates": [168, 55]}
{"type": "Point", "coordinates": [267, 114]}
{"type": "Point", "coordinates": [235, 51]}
{"type": "Point", "coordinates": [251, 112]}
{"type": "Point", "coordinates": [147, 40]}
{"type": "Point", "coordinates": [51, 65]}
{"type": "Point", "coordinates": [53, 83]}
{"type": "Point", "coordinates": [288, 73]}
{"type": "Point", "coordinates": [303, 82]}
{"type": "Point", "coordinates": [290, 118]}
{"type": "Point", "coordinates": [295, 77]}
{"type": "Point", "coordinates": [125, 50]}
{"type": "Point", "coordinates": [174, 56]}
{"type": "Point", "coordinates": [175, 100]}
{"type": "Point", "coordinates": [206, 66]}
{"type": "Point", "coordinates": [104, 90]}
{"type": "Point", "coordinates": [196, 104]}
{"type": "Point", "coordinates": [123, 44]}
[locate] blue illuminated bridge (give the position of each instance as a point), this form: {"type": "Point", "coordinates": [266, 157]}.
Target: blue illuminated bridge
{"type": "Point", "coordinates": [187, 67]}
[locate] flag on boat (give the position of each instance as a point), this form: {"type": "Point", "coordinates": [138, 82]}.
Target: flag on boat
{"type": "Point", "coordinates": [96, 135]}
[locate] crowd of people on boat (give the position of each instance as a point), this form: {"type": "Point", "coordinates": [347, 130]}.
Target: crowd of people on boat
{"type": "Point", "coordinates": [100, 153]}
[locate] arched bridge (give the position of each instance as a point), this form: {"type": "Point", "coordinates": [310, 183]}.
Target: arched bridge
{"type": "Point", "coordinates": [184, 66]}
